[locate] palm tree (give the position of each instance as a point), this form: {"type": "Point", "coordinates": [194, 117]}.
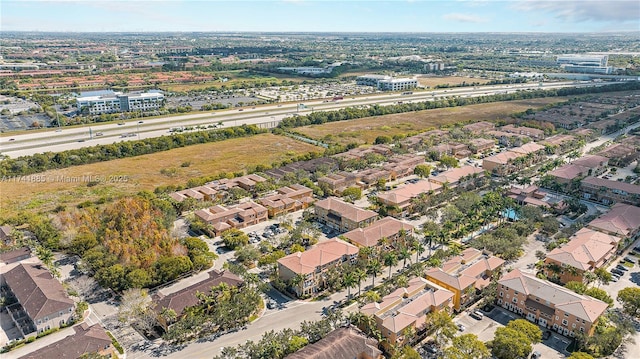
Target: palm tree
{"type": "Point", "coordinates": [390, 259]}
{"type": "Point", "coordinates": [349, 280]}
{"type": "Point", "coordinates": [373, 268]}
{"type": "Point", "coordinates": [403, 255]}
{"type": "Point", "coordinates": [419, 248]}
{"type": "Point", "coordinates": [360, 276]}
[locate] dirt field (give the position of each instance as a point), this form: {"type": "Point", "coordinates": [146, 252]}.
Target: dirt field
{"type": "Point", "coordinates": [130, 175]}
{"type": "Point", "coordinates": [448, 80]}
{"type": "Point", "coordinates": [367, 129]}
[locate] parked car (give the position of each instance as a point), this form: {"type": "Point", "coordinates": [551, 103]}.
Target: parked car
{"type": "Point", "coordinates": [617, 271]}
{"type": "Point", "coordinates": [536, 355]}
{"type": "Point", "coordinates": [476, 314]}
{"type": "Point", "coordinates": [629, 259]}
{"type": "Point", "coordinates": [461, 327]}
{"type": "Point", "coordinates": [614, 278]}
{"type": "Point", "coordinates": [546, 335]}
{"type": "Point", "coordinates": [622, 268]}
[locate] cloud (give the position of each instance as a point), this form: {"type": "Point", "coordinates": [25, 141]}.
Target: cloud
{"type": "Point", "coordinates": [459, 17]}
{"type": "Point", "coordinates": [585, 10]}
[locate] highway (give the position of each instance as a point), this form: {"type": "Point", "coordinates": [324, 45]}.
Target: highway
{"type": "Point", "coordinates": [57, 140]}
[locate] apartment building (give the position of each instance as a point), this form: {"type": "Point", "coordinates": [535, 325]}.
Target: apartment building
{"type": "Point", "coordinates": [239, 216]}
{"type": "Point", "coordinates": [479, 127]}
{"type": "Point", "coordinates": [587, 251]}
{"type": "Point", "coordinates": [383, 232]}
{"type": "Point", "coordinates": [596, 164]}
{"type": "Point", "coordinates": [465, 274]}
{"type": "Point", "coordinates": [217, 189]}
{"type": "Point", "coordinates": [341, 343]}
{"type": "Point", "coordinates": [186, 297]}
{"type": "Point", "coordinates": [342, 216]}
{"type": "Point", "coordinates": [549, 305]}
{"type": "Point", "coordinates": [405, 309]}
{"type": "Point", "coordinates": [338, 182]}
{"type": "Point", "coordinates": [288, 199]}
{"type": "Point", "coordinates": [559, 144]}
{"type": "Point", "coordinates": [311, 265]}
{"type": "Point", "coordinates": [85, 341]}
{"type": "Point", "coordinates": [41, 303]}
{"type": "Point", "coordinates": [620, 154]}
{"type": "Point", "coordinates": [478, 145]}
{"type": "Point", "coordinates": [515, 159]}
{"type": "Point", "coordinates": [457, 176]}
{"type": "Point", "coordinates": [401, 197]}
{"type": "Point", "coordinates": [622, 220]}
{"type": "Point", "coordinates": [500, 164]}
{"type": "Point", "coordinates": [608, 191]}
{"type": "Point", "coordinates": [533, 133]}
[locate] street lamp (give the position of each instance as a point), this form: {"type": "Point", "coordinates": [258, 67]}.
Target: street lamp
{"type": "Point", "coordinates": [138, 125]}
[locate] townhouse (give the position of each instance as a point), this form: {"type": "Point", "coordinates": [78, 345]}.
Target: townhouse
{"type": "Point", "coordinates": [216, 189]}
{"type": "Point", "coordinates": [477, 145]}
{"type": "Point", "coordinates": [477, 128]}
{"type": "Point", "coordinates": [338, 182]}
{"type": "Point", "coordinates": [39, 301]}
{"type": "Point", "coordinates": [591, 165]}
{"type": "Point", "coordinates": [620, 154]}
{"type": "Point", "coordinates": [457, 176]}
{"type": "Point", "coordinates": [288, 199]}
{"type": "Point", "coordinates": [587, 251]}
{"type": "Point", "coordinates": [622, 220]}
{"type": "Point", "coordinates": [239, 216]}
{"type": "Point", "coordinates": [306, 271]}
{"type": "Point", "coordinates": [507, 162]}
{"type": "Point", "coordinates": [549, 305]}
{"type": "Point", "coordinates": [186, 297]}
{"type": "Point", "coordinates": [383, 232]}
{"type": "Point", "coordinates": [402, 197]}
{"type": "Point", "coordinates": [405, 310]}
{"type": "Point", "coordinates": [558, 144]}
{"type": "Point", "coordinates": [341, 343]}
{"type": "Point", "coordinates": [342, 216]}
{"type": "Point", "coordinates": [465, 275]}
{"type": "Point", "coordinates": [608, 191]}
{"type": "Point", "coordinates": [84, 342]}
{"type": "Point", "coordinates": [523, 130]}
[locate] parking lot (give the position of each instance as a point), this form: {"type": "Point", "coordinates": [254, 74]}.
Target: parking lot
{"type": "Point", "coordinates": [485, 329]}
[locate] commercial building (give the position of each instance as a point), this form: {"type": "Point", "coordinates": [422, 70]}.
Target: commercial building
{"type": "Point", "coordinates": [311, 265]}
{"type": "Point", "coordinates": [591, 64]}
{"type": "Point", "coordinates": [387, 83]}
{"type": "Point", "coordinates": [465, 274]}
{"type": "Point", "coordinates": [405, 310]}
{"type": "Point", "coordinates": [118, 102]}
{"type": "Point", "coordinates": [342, 216]}
{"type": "Point", "coordinates": [384, 232]}
{"type": "Point", "coordinates": [549, 305]}
{"type": "Point", "coordinates": [587, 251]}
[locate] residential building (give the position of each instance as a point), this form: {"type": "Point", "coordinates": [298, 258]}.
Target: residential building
{"type": "Point", "coordinates": [218, 188]}
{"type": "Point", "coordinates": [401, 197]}
{"type": "Point", "coordinates": [337, 182]}
{"type": "Point", "coordinates": [534, 133]}
{"type": "Point", "coordinates": [515, 159]}
{"type": "Point", "coordinates": [342, 216]}
{"type": "Point", "coordinates": [85, 341]}
{"type": "Point", "coordinates": [15, 255]}
{"type": "Point", "coordinates": [387, 229]}
{"type": "Point", "coordinates": [341, 343]}
{"type": "Point", "coordinates": [450, 149]}
{"type": "Point", "coordinates": [238, 216]}
{"type": "Point", "coordinates": [405, 310]}
{"type": "Point", "coordinates": [500, 164]}
{"type": "Point", "coordinates": [465, 274]}
{"type": "Point", "coordinates": [187, 297]}
{"type": "Point", "coordinates": [119, 102]}
{"type": "Point", "coordinates": [5, 235]}
{"type": "Point", "coordinates": [479, 127]}
{"type": "Point", "coordinates": [549, 305]}
{"type": "Point", "coordinates": [41, 301]}
{"type": "Point", "coordinates": [559, 143]}
{"type": "Point", "coordinates": [508, 139]}
{"type": "Point", "coordinates": [288, 199]}
{"type": "Point", "coordinates": [457, 176]}
{"type": "Point", "coordinates": [587, 251]}
{"type": "Point", "coordinates": [620, 154]}
{"type": "Point", "coordinates": [622, 220]}
{"type": "Point", "coordinates": [597, 164]}
{"type": "Point", "coordinates": [568, 173]}
{"type": "Point", "coordinates": [478, 145]}
{"type": "Point", "coordinates": [608, 191]}
{"type": "Point", "coordinates": [534, 196]}
{"type": "Point", "coordinates": [311, 265]}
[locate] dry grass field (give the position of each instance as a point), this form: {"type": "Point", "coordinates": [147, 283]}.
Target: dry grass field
{"type": "Point", "coordinates": [365, 130]}
{"type": "Point", "coordinates": [129, 175]}
{"type": "Point", "coordinates": [433, 81]}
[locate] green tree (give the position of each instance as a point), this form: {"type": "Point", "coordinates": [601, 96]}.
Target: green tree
{"type": "Point", "coordinates": [603, 276]}
{"type": "Point", "coordinates": [441, 326]}
{"type": "Point", "coordinates": [390, 259]}
{"type": "Point", "coordinates": [577, 287]}
{"type": "Point", "coordinates": [349, 280]}
{"type": "Point", "coordinates": [352, 194]}
{"type": "Point", "coordinates": [407, 352]}
{"type": "Point", "coordinates": [529, 329]}
{"type": "Point", "coordinates": [449, 161]}
{"type": "Point", "coordinates": [234, 238]}
{"type": "Point", "coordinates": [599, 294]}
{"type": "Point", "coordinates": [373, 268]}
{"type": "Point", "coordinates": [630, 299]}
{"type": "Point", "coordinates": [580, 355]}
{"type": "Point", "coordinates": [509, 343]}
{"type": "Point", "coordinates": [422, 170]}
{"type": "Point", "coordinates": [467, 346]}
{"type": "Point", "coordinates": [170, 268]}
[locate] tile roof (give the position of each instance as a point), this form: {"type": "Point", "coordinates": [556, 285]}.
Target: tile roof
{"type": "Point", "coordinates": [581, 306]}
{"type": "Point", "coordinates": [87, 339]}
{"type": "Point", "coordinates": [346, 210]}
{"type": "Point", "coordinates": [371, 235]}
{"type": "Point", "coordinates": [502, 157]}
{"type": "Point", "coordinates": [409, 191]}
{"type": "Point", "coordinates": [323, 253]}
{"type": "Point", "coordinates": [38, 292]}
{"type": "Point", "coordinates": [622, 220]}
{"type": "Point", "coordinates": [617, 185]}
{"type": "Point", "coordinates": [591, 161]}
{"type": "Point", "coordinates": [586, 246]}
{"type": "Point", "coordinates": [454, 175]}
{"type": "Point", "coordinates": [569, 171]}
{"type": "Point", "coordinates": [527, 148]}
{"type": "Point", "coordinates": [186, 297]}
{"type": "Point", "coordinates": [341, 343]}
